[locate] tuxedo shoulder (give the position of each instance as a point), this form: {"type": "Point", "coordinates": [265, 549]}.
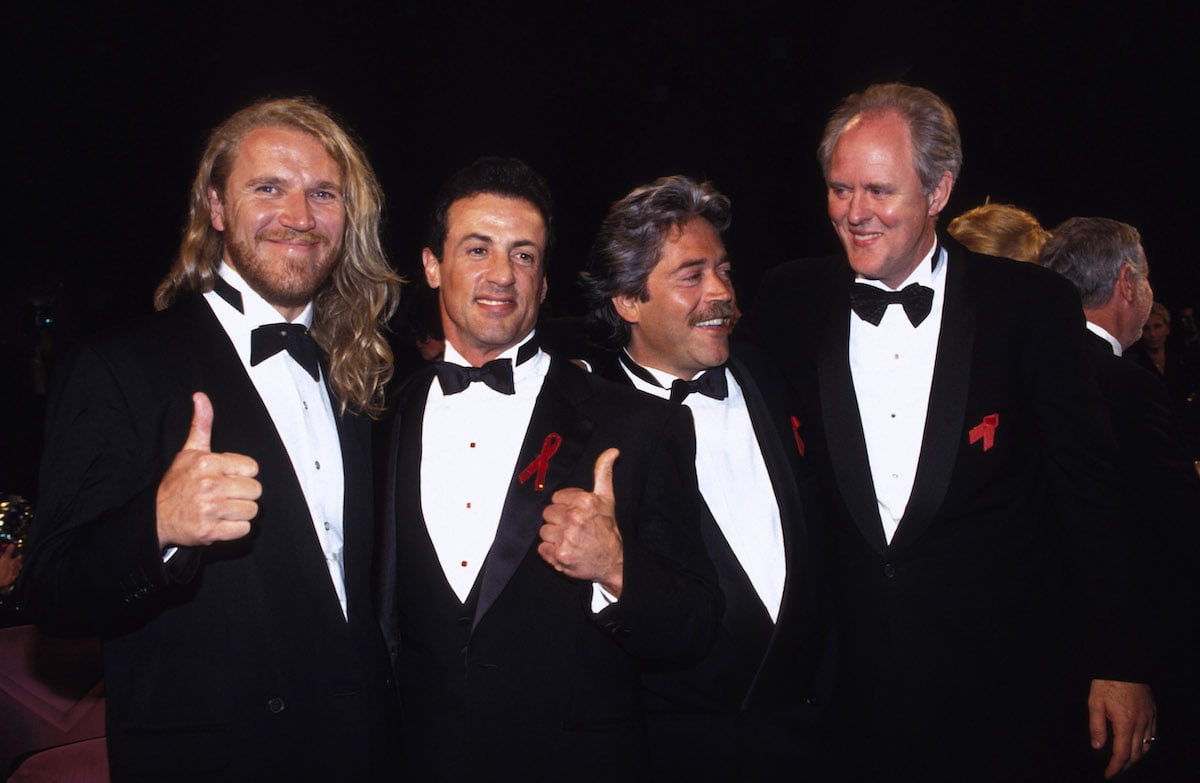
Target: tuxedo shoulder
{"type": "Point", "coordinates": [807, 269]}
{"type": "Point", "coordinates": [148, 329]}
{"type": "Point", "coordinates": [749, 356]}
{"type": "Point", "coordinates": [623, 395]}
{"type": "Point", "coordinates": [1020, 273]}
{"type": "Point", "coordinates": [793, 298]}
{"type": "Point", "coordinates": [750, 359]}
{"type": "Point", "coordinates": [1130, 378]}
{"type": "Point", "coordinates": [143, 344]}
{"type": "Point", "coordinates": [1022, 292]}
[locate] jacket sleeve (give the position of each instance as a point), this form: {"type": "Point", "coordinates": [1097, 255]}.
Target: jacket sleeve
{"type": "Point", "coordinates": [93, 564]}
{"type": "Point", "coordinates": [670, 604]}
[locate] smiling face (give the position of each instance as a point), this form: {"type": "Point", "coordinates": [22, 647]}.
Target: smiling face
{"type": "Point", "coordinates": [282, 215]}
{"type": "Point", "coordinates": [876, 204]}
{"type": "Point", "coordinates": [490, 276]}
{"type": "Point", "coordinates": [683, 326]}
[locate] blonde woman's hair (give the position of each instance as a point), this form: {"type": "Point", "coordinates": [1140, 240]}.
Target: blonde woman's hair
{"type": "Point", "coordinates": [1000, 230]}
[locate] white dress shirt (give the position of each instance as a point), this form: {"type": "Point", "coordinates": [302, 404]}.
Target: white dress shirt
{"type": "Point", "coordinates": [470, 443]}
{"type": "Point", "coordinates": [735, 484]}
{"type": "Point", "coordinates": [892, 368]}
{"type": "Point", "coordinates": [302, 413]}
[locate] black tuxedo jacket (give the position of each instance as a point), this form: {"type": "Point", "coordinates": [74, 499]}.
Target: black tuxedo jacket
{"type": "Point", "coordinates": [1004, 589]}
{"type": "Point", "coordinates": [757, 704]}
{"type": "Point", "coordinates": [1153, 455]}
{"type": "Point", "coordinates": [1161, 497]}
{"type": "Point", "coordinates": [232, 661]}
{"type": "Point", "coordinates": [524, 681]}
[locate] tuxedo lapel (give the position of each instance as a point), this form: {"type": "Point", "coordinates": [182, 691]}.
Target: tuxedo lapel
{"type": "Point", "coordinates": [555, 413]}
{"type": "Point", "coordinates": [746, 618]}
{"type": "Point", "coordinates": [776, 439]}
{"type": "Point", "coordinates": [841, 420]}
{"type": "Point", "coordinates": [947, 402]}
{"type": "Point", "coordinates": [243, 425]}
{"type": "Point", "coordinates": [358, 526]}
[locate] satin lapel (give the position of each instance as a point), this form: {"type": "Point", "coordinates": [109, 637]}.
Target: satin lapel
{"type": "Point", "coordinates": [947, 402]}
{"type": "Point", "coordinates": [358, 523]}
{"type": "Point", "coordinates": [609, 367]}
{"type": "Point", "coordinates": [404, 536]}
{"type": "Point", "coordinates": [241, 424]}
{"type": "Point", "coordinates": [556, 411]}
{"type": "Point", "coordinates": [773, 429]}
{"type": "Point", "coordinates": [745, 618]}
{"type": "Point", "coordinates": [840, 419]}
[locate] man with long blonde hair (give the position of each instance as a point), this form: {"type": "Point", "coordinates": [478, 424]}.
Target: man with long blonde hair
{"type": "Point", "coordinates": [206, 499]}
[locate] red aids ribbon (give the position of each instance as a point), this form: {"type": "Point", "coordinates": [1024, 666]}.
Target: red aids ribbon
{"type": "Point", "coordinates": [986, 430]}
{"type": "Point", "coordinates": [796, 435]}
{"type": "Point", "coordinates": [549, 448]}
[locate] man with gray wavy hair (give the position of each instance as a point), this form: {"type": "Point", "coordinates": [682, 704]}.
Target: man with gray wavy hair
{"type": "Point", "coordinates": [756, 706]}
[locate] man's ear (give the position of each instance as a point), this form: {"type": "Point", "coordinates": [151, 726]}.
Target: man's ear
{"type": "Point", "coordinates": [628, 308]}
{"type": "Point", "coordinates": [1127, 284]}
{"type": "Point", "coordinates": [433, 268]}
{"type": "Point", "coordinates": [940, 194]}
{"type": "Point", "coordinates": [545, 289]}
{"type": "Point", "coordinates": [216, 210]}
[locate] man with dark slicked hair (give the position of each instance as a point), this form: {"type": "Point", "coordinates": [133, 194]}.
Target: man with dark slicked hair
{"type": "Point", "coordinates": [545, 522]}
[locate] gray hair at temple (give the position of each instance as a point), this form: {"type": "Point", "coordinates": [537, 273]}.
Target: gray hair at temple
{"type": "Point", "coordinates": [937, 147]}
{"type": "Point", "coordinates": [1090, 251]}
{"type": "Point", "coordinates": [630, 242]}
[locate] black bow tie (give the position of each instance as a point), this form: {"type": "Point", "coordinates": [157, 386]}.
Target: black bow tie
{"type": "Point", "coordinates": [870, 302]}
{"type": "Point", "coordinates": [266, 341]}
{"type": "Point", "coordinates": [711, 383]}
{"type": "Point", "coordinates": [496, 374]}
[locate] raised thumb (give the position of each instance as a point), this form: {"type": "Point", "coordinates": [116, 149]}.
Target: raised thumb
{"type": "Point", "coordinates": [604, 468]}
{"type": "Point", "coordinates": [199, 437]}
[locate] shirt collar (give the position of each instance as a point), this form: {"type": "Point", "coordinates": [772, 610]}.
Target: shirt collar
{"type": "Point", "coordinates": [1100, 331]}
{"type": "Point", "coordinates": [256, 310]}
{"type": "Point", "coordinates": [928, 273]}
{"type": "Point", "coordinates": [521, 371]}
{"type": "Point", "coordinates": [664, 379]}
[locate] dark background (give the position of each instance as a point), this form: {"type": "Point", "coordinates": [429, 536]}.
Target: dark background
{"type": "Point", "coordinates": [1064, 109]}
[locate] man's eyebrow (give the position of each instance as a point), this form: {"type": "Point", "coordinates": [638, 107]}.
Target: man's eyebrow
{"type": "Point", "coordinates": [691, 263]}
{"type": "Point", "coordinates": [265, 180]}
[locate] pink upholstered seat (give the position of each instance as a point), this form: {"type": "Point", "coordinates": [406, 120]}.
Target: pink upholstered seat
{"type": "Point", "coordinates": [79, 762]}
{"type": "Point", "coordinates": [51, 694]}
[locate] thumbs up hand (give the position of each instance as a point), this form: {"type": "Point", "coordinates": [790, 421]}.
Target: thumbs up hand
{"type": "Point", "coordinates": [206, 497]}
{"type": "Point", "coordinates": [580, 537]}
